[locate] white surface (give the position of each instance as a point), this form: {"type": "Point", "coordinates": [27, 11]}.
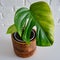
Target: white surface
{"type": "Point", "coordinates": [7, 10]}
{"type": "Point", "coordinates": [42, 53]}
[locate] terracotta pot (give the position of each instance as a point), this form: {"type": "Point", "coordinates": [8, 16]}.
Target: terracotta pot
{"type": "Point", "coordinates": [22, 49]}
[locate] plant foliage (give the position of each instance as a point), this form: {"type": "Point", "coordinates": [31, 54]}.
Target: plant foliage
{"type": "Point", "coordinates": [38, 15]}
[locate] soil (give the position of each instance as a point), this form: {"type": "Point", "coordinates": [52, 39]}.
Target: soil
{"type": "Point", "coordinates": [18, 38]}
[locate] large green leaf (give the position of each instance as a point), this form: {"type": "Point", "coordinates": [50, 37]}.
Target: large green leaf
{"type": "Point", "coordinates": [11, 29]}
{"type": "Point", "coordinates": [45, 25]}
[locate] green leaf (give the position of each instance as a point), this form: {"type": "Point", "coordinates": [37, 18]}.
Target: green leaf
{"type": "Point", "coordinates": [20, 19]}
{"type": "Point", "coordinates": [45, 24]}
{"type": "Point", "coordinates": [28, 29]}
{"type": "Point", "coordinates": [42, 40]}
{"type": "Point", "coordinates": [11, 29]}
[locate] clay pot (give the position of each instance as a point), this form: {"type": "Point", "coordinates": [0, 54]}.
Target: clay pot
{"type": "Point", "coordinates": [21, 48]}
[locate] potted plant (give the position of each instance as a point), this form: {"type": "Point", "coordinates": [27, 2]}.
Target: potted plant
{"type": "Point", "coordinates": [24, 37]}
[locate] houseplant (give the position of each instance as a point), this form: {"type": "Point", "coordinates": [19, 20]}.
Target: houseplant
{"type": "Point", "coordinates": [23, 36]}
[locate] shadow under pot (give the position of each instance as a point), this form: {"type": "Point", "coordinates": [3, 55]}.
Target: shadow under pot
{"type": "Point", "coordinates": [21, 48]}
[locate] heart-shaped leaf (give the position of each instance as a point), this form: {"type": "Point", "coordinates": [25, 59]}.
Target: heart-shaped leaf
{"type": "Point", "coordinates": [45, 24]}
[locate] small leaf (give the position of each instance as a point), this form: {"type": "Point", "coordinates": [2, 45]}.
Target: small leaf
{"type": "Point", "coordinates": [11, 29]}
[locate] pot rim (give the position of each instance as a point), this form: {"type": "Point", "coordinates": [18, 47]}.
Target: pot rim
{"type": "Point", "coordinates": [16, 39]}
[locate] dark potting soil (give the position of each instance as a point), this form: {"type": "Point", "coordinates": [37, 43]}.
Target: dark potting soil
{"type": "Point", "coordinates": [18, 38]}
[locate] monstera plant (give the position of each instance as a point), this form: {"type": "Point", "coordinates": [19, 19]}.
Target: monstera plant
{"type": "Point", "coordinates": [39, 14]}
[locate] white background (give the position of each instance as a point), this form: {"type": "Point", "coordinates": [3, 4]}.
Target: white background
{"type": "Point", "coordinates": [7, 10]}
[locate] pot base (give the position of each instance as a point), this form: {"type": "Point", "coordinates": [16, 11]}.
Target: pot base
{"type": "Point", "coordinates": [24, 55]}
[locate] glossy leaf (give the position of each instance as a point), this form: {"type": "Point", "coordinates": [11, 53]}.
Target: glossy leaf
{"type": "Point", "coordinates": [45, 25]}
{"type": "Point", "coordinates": [20, 19]}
